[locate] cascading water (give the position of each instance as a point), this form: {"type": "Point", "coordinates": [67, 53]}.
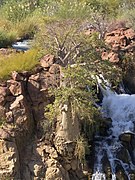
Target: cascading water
{"type": "Point", "coordinates": [121, 109]}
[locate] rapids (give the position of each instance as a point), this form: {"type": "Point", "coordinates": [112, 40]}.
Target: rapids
{"type": "Point", "coordinates": [121, 109]}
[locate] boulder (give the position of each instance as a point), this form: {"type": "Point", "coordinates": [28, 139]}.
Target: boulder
{"type": "Point", "coordinates": [16, 103]}
{"type": "Point", "coordinates": [9, 117]}
{"type": "Point", "coordinates": [16, 76]}
{"type": "Point", "coordinates": [15, 87]}
{"type": "Point", "coordinates": [125, 137]}
{"type": "Point", "coordinates": [5, 135]}
{"type": "Point", "coordinates": [111, 56]}
{"type": "Point", "coordinates": [47, 61]}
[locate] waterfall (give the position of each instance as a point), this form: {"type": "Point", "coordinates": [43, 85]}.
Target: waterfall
{"type": "Point", "coordinates": [109, 149]}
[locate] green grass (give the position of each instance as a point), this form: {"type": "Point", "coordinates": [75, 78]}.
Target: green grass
{"type": "Point", "coordinates": [7, 38]}
{"type": "Point", "coordinates": [18, 62]}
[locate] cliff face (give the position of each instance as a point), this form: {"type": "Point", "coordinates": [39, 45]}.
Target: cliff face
{"type": "Point", "coordinates": [29, 148]}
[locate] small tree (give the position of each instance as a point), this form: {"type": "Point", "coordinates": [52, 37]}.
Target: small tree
{"type": "Point", "coordinates": [80, 58]}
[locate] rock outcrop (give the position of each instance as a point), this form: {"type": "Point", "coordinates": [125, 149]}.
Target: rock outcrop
{"type": "Point", "coordinates": [121, 45]}
{"type": "Point", "coordinates": [29, 149]}
{"type": "Point", "coordinates": [120, 41]}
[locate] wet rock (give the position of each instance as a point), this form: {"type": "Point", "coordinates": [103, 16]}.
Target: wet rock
{"type": "Point", "coordinates": [129, 78]}
{"type": "Point", "coordinates": [125, 137]}
{"type": "Point", "coordinates": [123, 155]}
{"type": "Point", "coordinates": [132, 176]}
{"type": "Point", "coordinates": [104, 126]}
{"type": "Point", "coordinates": [106, 166]}
{"type": "Point", "coordinates": [121, 175]}
{"type": "Point", "coordinates": [133, 142]}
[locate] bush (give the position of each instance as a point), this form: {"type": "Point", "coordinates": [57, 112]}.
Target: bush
{"type": "Point", "coordinates": [81, 148]}
{"type": "Point", "coordinates": [18, 62]}
{"type": "Point", "coordinates": [7, 38]}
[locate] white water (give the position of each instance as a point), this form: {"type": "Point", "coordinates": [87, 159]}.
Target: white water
{"type": "Point", "coordinates": [121, 109]}
{"type": "Point", "coordinates": [22, 45]}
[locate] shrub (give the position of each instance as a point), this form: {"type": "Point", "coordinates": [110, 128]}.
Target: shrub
{"type": "Point", "coordinates": [81, 149]}
{"type": "Point", "coordinates": [7, 38]}
{"type": "Point", "coordinates": [18, 62]}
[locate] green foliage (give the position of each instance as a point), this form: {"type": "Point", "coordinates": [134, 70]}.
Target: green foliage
{"type": "Point", "coordinates": [72, 10]}
{"type": "Point", "coordinates": [80, 56]}
{"type": "Point", "coordinates": [60, 37]}
{"type": "Point", "coordinates": [104, 6]}
{"type": "Point", "coordinates": [28, 26]}
{"type": "Point", "coordinates": [7, 38]}
{"type": "Point", "coordinates": [81, 148]}
{"type": "Point", "coordinates": [2, 121]}
{"type": "Point", "coordinates": [18, 62]}
{"type": "Point", "coordinates": [52, 111]}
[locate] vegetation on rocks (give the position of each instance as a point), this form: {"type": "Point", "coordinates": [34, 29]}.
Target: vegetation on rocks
{"type": "Point", "coordinates": [73, 32]}
{"type": "Point", "coordinates": [80, 58]}
{"type": "Point", "coordinates": [17, 62]}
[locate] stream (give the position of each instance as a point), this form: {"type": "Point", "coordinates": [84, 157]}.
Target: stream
{"type": "Point", "coordinates": [22, 45]}
{"type": "Point", "coordinates": [115, 152]}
